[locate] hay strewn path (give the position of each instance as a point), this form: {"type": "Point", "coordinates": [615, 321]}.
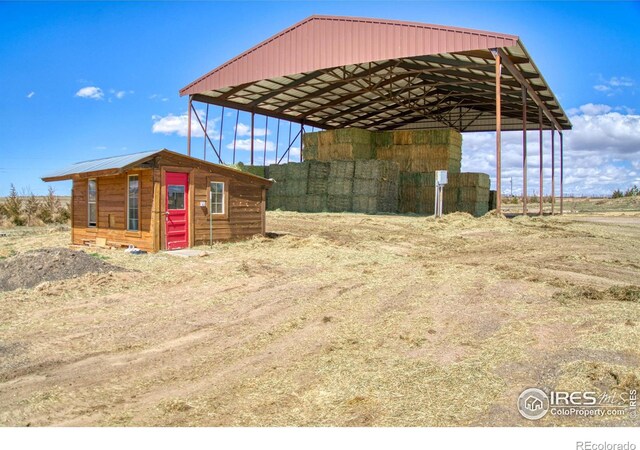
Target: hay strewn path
{"type": "Point", "coordinates": [337, 319]}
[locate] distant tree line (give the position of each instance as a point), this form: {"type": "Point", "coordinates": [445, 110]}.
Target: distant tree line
{"type": "Point", "coordinates": [28, 209]}
{"type": "Point", "coordinates": [631, 192]}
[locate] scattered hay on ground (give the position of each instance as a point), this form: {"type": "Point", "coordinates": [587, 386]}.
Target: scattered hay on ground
{"type": "Point", "coordinates": [614, 293]}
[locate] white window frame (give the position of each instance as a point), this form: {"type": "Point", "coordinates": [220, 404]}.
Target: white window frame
{"type": "Point", "coordinates": [222, 203]}
{"type": "Point", "coordinates": [129, 198]}
{"type": "Point", "coordinates": [89, 203]}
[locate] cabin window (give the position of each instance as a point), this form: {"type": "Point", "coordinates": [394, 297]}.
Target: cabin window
{"type": "Point", "coordinates": [217, 197]}
{"type": "Point", "coordinates": [92, 202]}
{"type": "Point", "coordinates": [175, 197]}
{"type": "Point", "coordinates": [132, 203]}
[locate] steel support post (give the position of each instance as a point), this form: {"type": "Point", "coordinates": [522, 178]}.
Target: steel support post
{"type": "Point", "coordinates": [541, 162]}
{"type": "Point", "coordinates": [561, 172]}
{"type": "Point", "coordinates": [553, 171]}
{"type": "Point", "coordinates": [253, 119]}
{"type": "Point", "coordinates": [498, 136]}
{"type": "Point", "coordinates": [189, 128]}
{"type": "Point", "coordinates": [524, 150]}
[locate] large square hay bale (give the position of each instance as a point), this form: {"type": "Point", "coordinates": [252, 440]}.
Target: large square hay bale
{"type": "Point", "coordinates": [365, 204]}
{"type": "Point", "coordinates": [318, 169]}
{"type": "Point", "coordinates": [473, 194]}
{"type": "Point", "coordinates": [275, 202]}
{"type": "Point", "coordinates": [429, 137]}
{"type": "Point", "coordinates": [340, 186]}
{"type": "Point", "coordinates": [318, 177]}
{"type": "Point", "coordinates": [310, 139]}
{"type": "Point", "coordinates": [341, 169]}
{"type": "Point", "coordinates": [295, 187]}
{"type": "Point", "coordinates": [470, 179]}
{"type": "Point", "coordinates": [365, 187]}
{"type": "Point", "coordinates": [326, 138]}
{"type": "Point", "coordinates": [297, 171]}
{"type": "Point", "coordinates": [278, 188]}
{"type": "Point", "coordinates": [309, 152]}
{"type": "Point", "coordinates": [371, 169]}
{"type": "Point", "coordinates": [339, 203]}
{"type": "Point", "coordinates": [476, 209]}
{"type": "Point", "coordinates": [277, 171]}
{"type": "Point", "coordinates": [295, 202]}
{"type": "Point", "coordinates": [352, 136]}
{"type": "Point", "coordinates": [315, 203]}
{"type": "Point", "coordinates": [493, 201]}
{"type": "Point", "coordinates": [382, 138]}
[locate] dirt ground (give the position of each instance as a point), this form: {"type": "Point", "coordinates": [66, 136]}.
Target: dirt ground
{"type": "Point", "coordinates": [335, 319]}
{"type": "Point", "coordinates": [28, 269]}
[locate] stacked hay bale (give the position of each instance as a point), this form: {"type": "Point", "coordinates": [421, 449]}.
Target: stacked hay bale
{"type": "Point", "coordinates": [473, 192]}
{"type": "Point", "coordinates": [296, 176]}
{"type": "Point", "coordinates": [421, 150]}
{"type": "Point", "coordinates": [317, 185]}
{"type": "Point", "coordinates": [357, 170]}
{"type": "Point", "coordinates": [340, 186]}
{"type": "Point", "coordinates": [340, 144]}
{"type": "Point", "coordinates": [466, 192]}
{"type": "Point", "coordinates": [276, 195]}
{"type": "Point", "coordinates": [418, 194]}
{"type": "Point", "coordinates": [375, 186]}
{"type": "Point", "coordinates": [493, 202]}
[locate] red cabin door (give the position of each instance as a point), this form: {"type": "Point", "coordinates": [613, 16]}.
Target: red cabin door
{"type": "Point", "coordinates": [177, 210]}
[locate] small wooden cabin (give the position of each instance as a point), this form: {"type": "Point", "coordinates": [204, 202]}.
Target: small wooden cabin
{"type": "Point", "coordinates": [162, 200]}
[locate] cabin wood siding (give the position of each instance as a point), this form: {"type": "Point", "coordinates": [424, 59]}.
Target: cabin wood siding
{"type": "Point", "coordinates": [243, 216]}
{"type": "Point", "coordinates": [112, 211]}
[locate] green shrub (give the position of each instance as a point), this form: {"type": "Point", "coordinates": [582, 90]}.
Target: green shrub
{"type": "Point", "coordinates": [13, 207]}
{"type": "Point", "coordinates": [632, 191]}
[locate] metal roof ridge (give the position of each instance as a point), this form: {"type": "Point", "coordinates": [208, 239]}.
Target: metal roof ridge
{"type": "Point", "coordinates": [342, 18]}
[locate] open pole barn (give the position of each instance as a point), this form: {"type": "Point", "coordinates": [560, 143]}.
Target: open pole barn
{"type": "Point", "coordinates": [162, 200]}
{"type": "Point", "coordinates": [385, 76]}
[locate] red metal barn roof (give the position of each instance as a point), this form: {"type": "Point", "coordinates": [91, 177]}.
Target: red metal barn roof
{"type": "Point", "coordinates": [333, 72]}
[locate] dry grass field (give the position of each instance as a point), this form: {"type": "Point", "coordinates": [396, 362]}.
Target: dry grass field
{"type": "Point", "coordinates": [335, 319]}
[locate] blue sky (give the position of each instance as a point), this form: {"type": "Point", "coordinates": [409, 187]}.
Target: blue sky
{"type": "Point", "coordinates": [86, 80]}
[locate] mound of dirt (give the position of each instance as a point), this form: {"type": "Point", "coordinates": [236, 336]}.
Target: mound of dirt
{"type": "Point", "coordinates": [31, 268]}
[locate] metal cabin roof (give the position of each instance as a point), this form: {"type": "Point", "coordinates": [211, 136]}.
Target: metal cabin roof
{"type": "Point", "coordinates": [95, 165]}
{"type": "Point", "coordinates": [335, 72]}
{"type": "Point", "coordinates": [123, 162]}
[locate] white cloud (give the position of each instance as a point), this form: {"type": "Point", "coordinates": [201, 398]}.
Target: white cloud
{"type": "Point", "coordinates": [590, 109]}
{"type": "Point", "coordinates": [600, 153]}
{"type": "Point", "coordinates": [171, 124]}
{"type": "Point", "coordinates": [91, 92]}
{"type": "Point", "coordinates": [119, 94]}
{"type": "Point", "coordinates": [31, 94]}
{"type": "Point", "coordinates": [158, 97]}
{"type": "Point", "coordinates": [245, 130]}
{"type": "Point", "coordinates": [258, 145]}
{"type": "Point", "coordinates": [614, 85]}
{"type": "Point", "coordinates": [621, 81]}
